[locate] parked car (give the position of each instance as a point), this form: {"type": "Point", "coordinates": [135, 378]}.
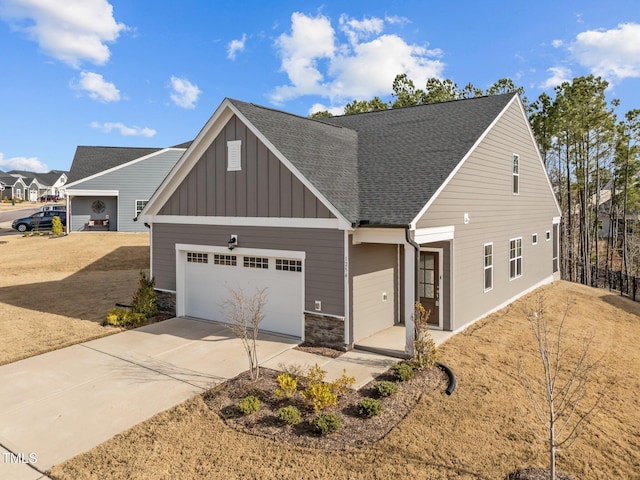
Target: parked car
{"type": "Point", "coordinates": [39, 220]}
{"type": "Point", "coordinates": [49, 198]}
{"type": "Point", "coordinates": [56, 206]}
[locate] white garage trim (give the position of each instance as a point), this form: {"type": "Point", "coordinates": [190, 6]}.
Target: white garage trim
{"type": "Point", "coordinates": [182, 249]}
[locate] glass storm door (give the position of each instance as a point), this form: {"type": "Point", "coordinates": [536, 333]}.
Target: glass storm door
{"type": "Point", "coordinates": [429, 285]}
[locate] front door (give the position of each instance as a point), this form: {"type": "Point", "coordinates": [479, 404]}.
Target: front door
{"type": "Point", "coordinates": [429, 285]}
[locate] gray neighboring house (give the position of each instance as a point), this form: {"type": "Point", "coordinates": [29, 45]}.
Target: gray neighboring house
{"type": "Point", "coordinates": [109, 186]}
{"type": "Point", "coordinates": [348, 221]}
{"type": "Point", "coordinates": [39, 184]}
{"type": "Point", "coordinates": [12, 187]}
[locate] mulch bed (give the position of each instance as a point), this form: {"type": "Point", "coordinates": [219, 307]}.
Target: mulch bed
{"type": "Point", "coordinates": [356, 431]}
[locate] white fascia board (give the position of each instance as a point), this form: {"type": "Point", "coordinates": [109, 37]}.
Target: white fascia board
{"type": "Point", "coordinates": [123, 165]}
{"type": "Point", "coordinates": [394, 236]}
{"type": "Point", "coordinates": [92, 193]}
{"type": "Point", "coordinates": [254, 252]}
{"type": "Point", "coordinates": [414, 222]}
{"type": "Point", "coordinates": [332, 223]}
{"type": "Point", "coordinates": [434, 234]}
{"type": "Point", "coordinates": [556, 220]}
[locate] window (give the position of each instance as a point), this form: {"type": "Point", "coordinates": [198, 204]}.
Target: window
{"type": "Point", "coordinates": [229, 260]}
{"type": "Point", "coordinates": [256, 262]}
{"type": "Point", "coordinates": [534, 238]}
{"type": "Point", "coordinates": [548, 235]}
{"type": "Point", "coordinates": [288, 265]}
{"type": "Point", "coordinates": [488, 266]}
{"type": "Point", "coordinates": [515, 258]}
{"type": "Point", "coordinates": [195, 257]}
{"type": "Point", "coordinates": [516, 174]}
{"type": "Point", "coordinates": [234, 162]}
{"type": "Point", "coordinates": [140, 204]}
{"type": "Point", "coordinates": [555, 264]}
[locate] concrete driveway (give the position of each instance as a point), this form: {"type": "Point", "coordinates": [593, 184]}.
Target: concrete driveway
{"type": "Point", "coordinates": [59, 404]}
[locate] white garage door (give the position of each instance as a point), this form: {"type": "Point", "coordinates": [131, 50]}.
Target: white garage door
{"type": "Point", "coordinates": [209, 276]}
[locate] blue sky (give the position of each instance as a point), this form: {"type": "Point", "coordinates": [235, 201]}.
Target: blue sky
{"type": "Point", "coordinates": [150, 74]}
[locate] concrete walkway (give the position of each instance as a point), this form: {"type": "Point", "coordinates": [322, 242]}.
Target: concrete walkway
{"type": "Point", "coordinates": [57, 405]}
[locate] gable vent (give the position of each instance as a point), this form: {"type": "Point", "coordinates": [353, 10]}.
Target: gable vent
{"type": "Point", "coordinates": [234, 163]}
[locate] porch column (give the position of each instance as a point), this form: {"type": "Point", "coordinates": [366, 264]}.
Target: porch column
{"type": "Point", "coordinates": [409, 294]}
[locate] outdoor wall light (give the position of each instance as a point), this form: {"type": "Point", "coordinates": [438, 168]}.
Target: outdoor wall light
{"type": "Point", "coordinates": [233, 242]}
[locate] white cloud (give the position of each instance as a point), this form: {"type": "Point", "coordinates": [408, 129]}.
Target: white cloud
{"type": "Point", "coordinates": [97, 87]}
{"type": "Point", "coordinates": [319, 107]}
{"type": "Point", "coordinates": [236, 46]}
{"type": "Point", "coordinates": [185, 94]}
{"type": "Point", "coordinates": [364, 65]}
{"type": "Point", "coordinates": [23, 163]}
{"type": "Point", "coordinates": [72, 31]}
{"type": "Point", "coordinates": [558, 76]}
{"type": "Point", "coordinates": [612, 54]}
{"type": "Point", "coordinates": [125, 131]}
{"type": "Point", "coordinates": [557, 43]}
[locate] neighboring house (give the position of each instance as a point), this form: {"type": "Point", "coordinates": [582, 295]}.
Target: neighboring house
{"type": "Point", "coordinates": [109, 186]}
{"type": "Point", "coordinates": [41, 184]}
{"type": "Point", "coordinates": [12, 187]}
{"type": "Point", "coordinates": [347, 221]}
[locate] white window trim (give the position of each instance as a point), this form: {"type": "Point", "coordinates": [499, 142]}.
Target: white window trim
{"type": "Point", "coordinates": [136, 206]}
{"type": "Point", "coordinates": [485, 267]}
{"type": "Point", "coordinates": [534, 239]}
{"type": "Point", "coordinates": [515, 259]}
{"type": "Point", "coordinates": [515, 175]}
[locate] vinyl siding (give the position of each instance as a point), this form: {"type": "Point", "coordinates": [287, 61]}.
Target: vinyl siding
{"type": "Point", "coordinates": [373, 271]}
{"type": "Point", "coordinates": [323, 266]}
{"type": "Point", "coordinates": [137, 181]}
{"type": "Point", "coordinates": [482, 187]}
{"type": "Point", "coordinates": [263, 187]}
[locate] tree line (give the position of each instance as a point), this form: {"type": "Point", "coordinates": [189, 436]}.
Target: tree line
{"type": "Point", "coordinates": [592, 156]}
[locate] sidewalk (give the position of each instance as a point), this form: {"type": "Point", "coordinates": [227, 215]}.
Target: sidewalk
{"type": "Point", "coordinates": [62, 403]}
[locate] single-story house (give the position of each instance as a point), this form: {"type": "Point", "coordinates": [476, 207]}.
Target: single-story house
{"type": "Point", "coordinates": [109, 186]}
{"type": "Point", "coordinates": [348, 221]}
{"type": "Point", "coordinates": [12, 187]}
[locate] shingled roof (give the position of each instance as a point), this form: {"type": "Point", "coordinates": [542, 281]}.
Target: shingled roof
{"type": "Point", "coordinates": [379, 168]}
{"type": "Point", "coordinates": [91, 160]}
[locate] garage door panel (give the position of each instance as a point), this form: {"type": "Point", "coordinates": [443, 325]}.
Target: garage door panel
{"type": "Point", "coordinates": [207, 286]}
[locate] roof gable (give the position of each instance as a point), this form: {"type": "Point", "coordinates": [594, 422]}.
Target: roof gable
{"type": "Point", "coordinates": [405, 155]}
{"type": "Point", "coordinates": [89, 161]}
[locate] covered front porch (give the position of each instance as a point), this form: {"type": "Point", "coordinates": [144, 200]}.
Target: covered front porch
{"type": "Point", "coordinates": [422, 273]}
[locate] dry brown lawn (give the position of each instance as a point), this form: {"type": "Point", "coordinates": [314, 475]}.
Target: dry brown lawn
{"type": "Point", "coordinates": [480, 432]}
{"type": "Point", "coordinates": [55, 292]}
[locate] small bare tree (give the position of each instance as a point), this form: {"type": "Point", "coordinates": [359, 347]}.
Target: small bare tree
{"type": "Point", "coordinates": [425, 352]}
{"type": "Point", "coordinates": [245, 312]}
{"type": "Point", "coordinates": [558, 392]}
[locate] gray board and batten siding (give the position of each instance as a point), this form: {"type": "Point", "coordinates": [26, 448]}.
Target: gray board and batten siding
{"type": "Point", "coordinates": [263, 187]}
{"type": "Point", "coordinates": [134, 181]}
{"type": "Point", "coordinates": [483, 188]}
{"type": "Point", "coordinates": [323, 266]}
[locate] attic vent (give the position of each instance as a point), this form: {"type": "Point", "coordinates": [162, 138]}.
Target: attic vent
{"type": "Point", "coordinates": [233, 155]}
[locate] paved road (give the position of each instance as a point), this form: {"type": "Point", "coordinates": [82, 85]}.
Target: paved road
{"type": "Point", "coordinates": [7, 217]}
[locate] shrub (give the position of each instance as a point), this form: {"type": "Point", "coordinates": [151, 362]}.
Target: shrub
{"type": "Point", "coordinates": [5, 199]}
{"type": "Point", "coordinates": [425, 352]}
{"type": "Point", "coordinates": [385, 388]}
{"type": "Point", "coordinates": [290, 415]}
{"type": "Point", "coordinates": [145, 300]}
{"type": "Point", "coordinates": [325, 423]}
{"type": "Point", "coordinates": [56, 226]}
{"type": "Point", "coordinates": [122, 317]}
{"type": "Point", "coordinates": [287, 386]}
{"type": "Point", "coordinates": [403, 371]}
{"type": "Point", "coordinates": [249, 405]}
{"type": "Point", "coordinates": [340, 386]}
{"type": "Point", "coordinates": [320, 395]}
{"type": "Point", "coordinates": [369, 407]}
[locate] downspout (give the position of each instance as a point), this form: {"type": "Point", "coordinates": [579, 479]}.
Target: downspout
{"type": "Point", "coordinates": [417, 262]}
